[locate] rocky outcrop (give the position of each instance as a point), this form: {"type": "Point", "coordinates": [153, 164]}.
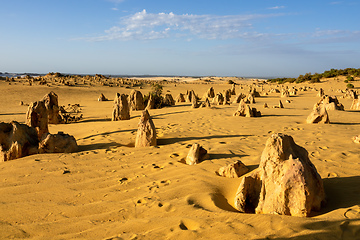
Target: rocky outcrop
{"type": "Point", "coordinates": [146, 133]}
{"type": "Point", "coordinates": [239, 97]}
{"type": "Point", "coordinates": [318, 115]}
{"type": "Point", "coordinates": [37, 117]}
{"type": "Point", "coordinates": [321, 93]}
{"type": "Point", "coordinates": [233, 170]}
{"type": "Point", "coordinates": [121, 110]}
{"type": "Point", "coordinates": [136, 100]}
{"type": "Point", "coordinates": [168, 100]}
{"type": "Point", "coordinates": [58, 143]}
{"type": "Point", "coordinates": [330, 103]}
{"type": "Point", "coordinates": [194, 102]}
{"type": "Point", "coordinates": [355, 105]}
{"type": "Point", "coordinates": [356, 139]}
{"type": "Point", "coordinates": [285, 183]}
{"type": "Point", "coordinates": [218, 99]}
{"type": "Point", "coordinates": [210, 93]}
{"type": "Point", "coordinates": [233, 91]}
{"type": "Point", "coordinates": [151, 102]}
{"type": "Point", "coordinates": [350, 94]}
{"type": "Point", "coordinates": [102, 98]}
{"type": "Point", "coordinates": [17, 140]}
{"type": "Point", "coordinates": [180, 98]}
{"type": "Point", "coordinates": [196, 154]}
{"type": "Point", "coordinates": [245, 110]}
{"type": "Point", "coordinates": [52, 107]}
{"type": "Point", "coordinates": [285, 93]}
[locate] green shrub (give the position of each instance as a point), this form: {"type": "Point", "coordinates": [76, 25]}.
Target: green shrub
{"type": "Point", "coordinates": [349, 85]}
{"type": "Point", "coordinates": [350, 78]}
{"type": "Point", "coordinates": [346, 81]}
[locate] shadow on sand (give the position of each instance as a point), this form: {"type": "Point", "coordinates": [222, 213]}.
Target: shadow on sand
{"type": "Point", "coordinates": [167, 141]}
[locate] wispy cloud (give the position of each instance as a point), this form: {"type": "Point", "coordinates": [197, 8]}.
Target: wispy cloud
{"type": "Point", "coordinates": [145, 26]}
{"type": "Point", "coordinates": [115, 9]}
{"type": "Point", "coordinates": [276, 7]}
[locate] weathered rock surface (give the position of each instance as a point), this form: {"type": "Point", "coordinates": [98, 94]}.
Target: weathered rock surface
{"type": "Point", "coordinates": [286, 182]}
{"type": "Point", "coordinates": [285, 93]}
{"type": "Point", "coordinates": [321, 93]}
{"type": "Point", "coordinates": [136, 100]}
{"type": "Point", "coordinates": [151, 102]}
{"type": "Point", "coordinates": [52, 107]}
{"type": "Point", "coordinates": [330, 103]}
{"type": "Point", "coordinates": [121, 110]}
{"type": "Point", "coordinates": [210, 93]}
{"type": "Point", "coordinates": [168, 100]}
{"type": "Point", "coordinates": [233, 170]}
{"type": "Point", "coordinates": [218, 99]}
{"type": "Point", "coordinates": [17, 140]}
{"type": "Point", "coordinates": [239, 97]}
{"type": "Point", "coordinates": [318, 115]}
{"type": "Point", "coordinates": [180, 98]}
{"type": "Point", "coordinates": [102, 98]}
{"type": "Point", "coordinates": [233, 89]}
{"type": "Point", "coordinates": [37, 117]}
{"type": "Point", "coordinates": [356, 139]}
{"type": "Point", "coordinates": [146, 133]}
{"type": "Point", "coordinates": [245, 110]}
{"type": "Point", "coordinates": [58, 143]}
{"type": "Point", "coordinates": [196, 154]}
{"type": "Point", "coordinates": [355, 104]}
{"type": "Point", "coordinates": [194, 102]}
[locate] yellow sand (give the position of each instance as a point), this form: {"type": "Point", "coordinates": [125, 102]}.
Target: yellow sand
{"type": "Point", "coordinates": [111, 190]}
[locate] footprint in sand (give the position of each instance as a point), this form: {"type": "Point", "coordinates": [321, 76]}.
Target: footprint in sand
{"type": "Point", "coordinates": [189, 224]}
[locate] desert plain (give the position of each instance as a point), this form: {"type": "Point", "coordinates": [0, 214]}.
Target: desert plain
{"type": "Point", "coordinates": [109, 189]}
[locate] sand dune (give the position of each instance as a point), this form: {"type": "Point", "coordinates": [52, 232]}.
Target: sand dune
{"type": "Point", "coordinates": [111, 190]}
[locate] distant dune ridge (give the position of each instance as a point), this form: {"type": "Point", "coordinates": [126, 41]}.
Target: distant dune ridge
{"type": "Point", "coordinates": [249, 181]}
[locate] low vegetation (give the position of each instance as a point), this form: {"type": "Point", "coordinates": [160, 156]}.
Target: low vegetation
{"type": "Point", "coordinates": [314, 78]}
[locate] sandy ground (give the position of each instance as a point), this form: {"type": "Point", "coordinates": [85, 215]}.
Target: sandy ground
{"type": "Point", "coordinates": [111, 190]}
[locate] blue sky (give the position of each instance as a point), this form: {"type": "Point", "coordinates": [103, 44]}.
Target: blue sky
{"type": "Point", "coordinates": [271, 38]}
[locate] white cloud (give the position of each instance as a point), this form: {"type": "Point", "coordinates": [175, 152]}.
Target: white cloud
{"type": "Point", "coordinates": [276, 7]}
{"type": "Point", "coordinates": [145, 26]}
{"type": "Point", "coordinates": [115, 9]}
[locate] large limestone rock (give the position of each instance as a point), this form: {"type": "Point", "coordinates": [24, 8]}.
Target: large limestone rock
{"type": "Point", "coordinates": [194, 102]}
{"type": "Point", "coordinates": [286, 182]}
{"type": "Point", "coordinates": [227, 95]}
{"type": "Point", "coordinates": [318, 115]}
{"type": "Point", "coordinates": [168, 100]}
{"type": "Point", "coordinates": [233, 89]}
{"type": "Point", "coordinates": [121, 110]}
{"type": "Point", "coordinates": [285, 93]}
{"type": "Point", "coordinates": [146, 133]}
{"type": "Point", "coordinates": [210, 93]}
{"type": "Point", "coordinates": [239, 97]}
{"type": "Point", "coordinates": [37, 117]}
{"type": "Point", "coordinates": [196, 154]}
{"type": "Point", "coordinates": [58, 143]}
{"type": "Point", "coordinates": [356, 139]}
{"type": "Point", "coordinates": [17, 140]}
{"type": "Point", "coordinates": [355, 105]}
{"type": "Point", "coordinates": [180, 98]}
{"type": "Point", "coordinates": [330, 103]}
{"type": "Point", "coordinates": [233, 170]}
{"type": "Point", "coordinates": [350, 94]}
{"type": "Point", "coordinates": [136, 100]}
{"type": "Point", "coordinates": [245, 110]}
{"type": "Point", "coordinates": [52, 107]}
{"type": "Point", "coordinates": [151, 102]}
{"type": "Point", "coordinates": [218, 99]}
{"type": "Point", "coordinates": [321, 93]}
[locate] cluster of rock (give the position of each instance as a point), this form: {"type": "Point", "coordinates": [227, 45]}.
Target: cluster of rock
{"type": "Point", "coordinates": [330, 103]}
{"type": "Point", "coordinates": [20, 140]}
{"type": "Point", "coordinates": [355, 104]}
{"type": "Point", "coordinates": [245, 110]}
{"type": "Point", "coordinates": [286, 182]}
